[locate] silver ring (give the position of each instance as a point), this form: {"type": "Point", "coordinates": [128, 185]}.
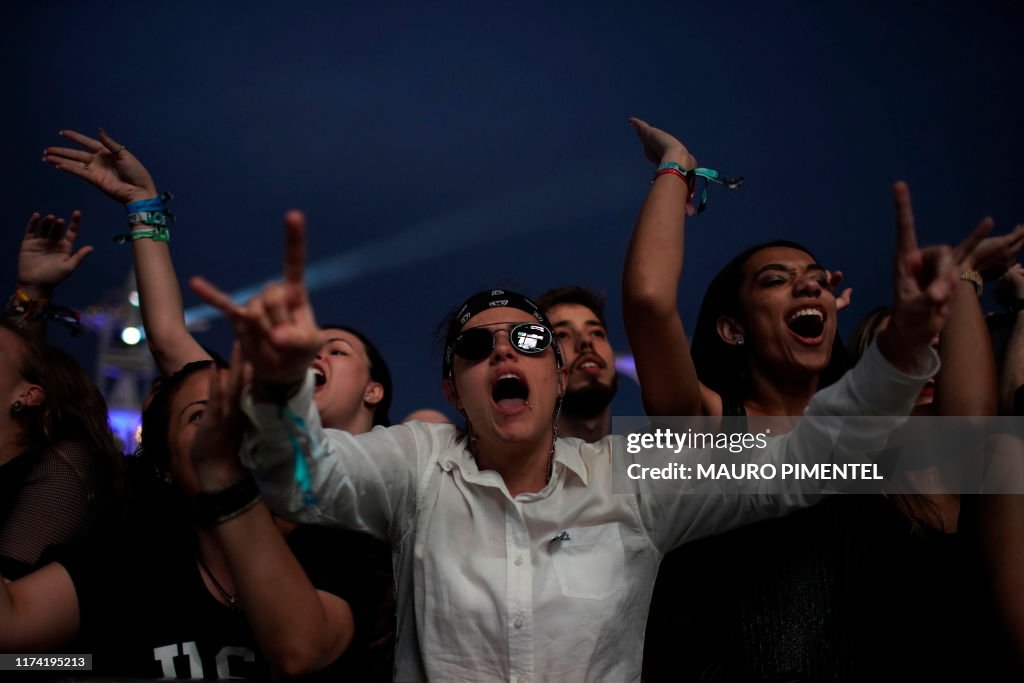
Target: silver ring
{"type": "Point", "coordinates": [123, 148]}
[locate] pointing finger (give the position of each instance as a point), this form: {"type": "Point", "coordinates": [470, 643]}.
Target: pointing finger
{"type": "Point", "coordinates": [906, 238]}
{"type": "Point", "coordinates": [294, 247]}
{"type": "Point", "coordinates": [209, 293]}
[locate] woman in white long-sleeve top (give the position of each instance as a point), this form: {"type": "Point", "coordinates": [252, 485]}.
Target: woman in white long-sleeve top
{"type": "Point", "coordinates": [516, 557]}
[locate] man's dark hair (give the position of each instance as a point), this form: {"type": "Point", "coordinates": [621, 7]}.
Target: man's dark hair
{"type": "Point", "coordinates": [574, 294]}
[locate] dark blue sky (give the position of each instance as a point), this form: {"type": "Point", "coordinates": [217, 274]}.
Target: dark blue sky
{"type": "Point", "coordinates": [456, 146]}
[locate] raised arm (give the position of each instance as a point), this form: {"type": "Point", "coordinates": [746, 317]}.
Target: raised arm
{"type": "Point", "coordinates": [923, 284]}
{"type": "Point", "coordinates": [309, 474]}
{"type": "Point", "coordinates": [883, 385]}
{"type": "Point", "coordinates": [967, 384]}
{"type": "Point", "coordinates": [1010, 293]}
{"type": "Point", "coordinates": [299, 629]}
{"type": "Point", "coordinates": [650, 282]}
{"type": "Point", "coordinates": [110, 167]}
{"type": "Point", "coordinates": [46, 258]}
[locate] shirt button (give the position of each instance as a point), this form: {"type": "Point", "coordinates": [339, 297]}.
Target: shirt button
{"type": "Point", "coordinates": [518, 623]}
{"type": "Point", "coordinates": [519, 560]}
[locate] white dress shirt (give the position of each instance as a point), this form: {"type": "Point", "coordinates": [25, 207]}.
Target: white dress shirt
{"type": "Point", "coordinates": [546, 586]}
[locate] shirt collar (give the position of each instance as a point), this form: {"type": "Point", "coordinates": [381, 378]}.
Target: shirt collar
{"type": "Point", "coordinates": [572, 460]}
{"type": "Point", "coordinates": [459, 456]}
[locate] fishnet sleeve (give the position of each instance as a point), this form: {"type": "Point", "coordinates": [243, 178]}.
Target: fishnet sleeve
{"type": "Point", "coordinates": [51, 507]}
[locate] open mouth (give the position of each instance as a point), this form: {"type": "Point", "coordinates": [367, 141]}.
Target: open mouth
{"type": "Point", "coordinates": [588, 365]}
{"type": "Point", "coordinates": [319, 378]}
{"type": "Point", "coordinates": [807, 324]}
{"type": "Point", "coordinates": [510, 393]}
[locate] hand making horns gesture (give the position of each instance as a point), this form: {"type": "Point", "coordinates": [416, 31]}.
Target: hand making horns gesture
{"type": "Point", "coordinates": [923, 279]}
{"type": "Point", "coordinates": [276, 328]}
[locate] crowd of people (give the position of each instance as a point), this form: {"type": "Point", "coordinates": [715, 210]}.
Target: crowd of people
{"type": "Point", "coordinates": [275, 523]}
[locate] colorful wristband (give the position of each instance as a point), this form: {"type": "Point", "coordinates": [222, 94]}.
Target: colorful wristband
{"type": "Point", "coordinates": [22, 308]}
{"type": "Point", "coordinates": [159, 233]}
{"type": "Point", "coordinates": [150, 211]}
{"type": "Point", "coordinates": [155, 204]}
{"type": "Point", "coordinates": [690, 176]}
{"type": "Point", "coordinates": [674, 169]}
{"type": "Point", "coordinates": [147, 218]}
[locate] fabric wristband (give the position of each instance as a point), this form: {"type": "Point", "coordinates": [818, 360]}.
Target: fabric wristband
{"type": "Point", "coordinates": [706, 174]}
{"type": "Point", "coordinates": [154, 209]}
{"type": "Point", "coordinates": [154, 204]}
{"type": "Point", "coordinates": [217, 507]}
{"type": "Point", "coordinates": [159, 233]}
{"type": "Point", "coordinates": [158, 217]}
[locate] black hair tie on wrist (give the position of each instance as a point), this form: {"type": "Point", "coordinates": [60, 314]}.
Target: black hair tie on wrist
{"type": "Point", "coordinates": [217, 507]}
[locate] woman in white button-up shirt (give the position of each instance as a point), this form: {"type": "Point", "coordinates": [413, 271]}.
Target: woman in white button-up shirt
{"type": "Point", "coordinates": [518, 555]}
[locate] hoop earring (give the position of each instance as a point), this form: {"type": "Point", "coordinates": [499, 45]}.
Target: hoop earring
{"type": "Point", "coordinates": [739, 341]}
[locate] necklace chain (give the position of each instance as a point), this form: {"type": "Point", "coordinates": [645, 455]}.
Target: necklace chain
{"type": "Point", "coordinates": [231, 598]}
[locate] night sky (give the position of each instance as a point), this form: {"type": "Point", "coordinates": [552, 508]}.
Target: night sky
{"type": "Point", "coordinates": [444, 149]}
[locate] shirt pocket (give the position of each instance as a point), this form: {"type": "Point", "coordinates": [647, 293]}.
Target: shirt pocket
{"type": "Point", "coordinates": [590, 561]}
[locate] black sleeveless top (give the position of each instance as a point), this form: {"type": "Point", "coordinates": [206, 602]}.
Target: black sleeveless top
{"type": "Point", "coordinates": [842, 591]}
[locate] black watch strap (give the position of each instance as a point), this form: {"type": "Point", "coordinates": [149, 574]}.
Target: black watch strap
{"type": "Point", "coordinates": [218, 507]}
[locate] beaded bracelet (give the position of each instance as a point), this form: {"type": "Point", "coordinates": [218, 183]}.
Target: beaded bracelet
{"type": "Point", "coordinates": [668, 170]}
{"type": "Point", "coordinates": [974, 277]}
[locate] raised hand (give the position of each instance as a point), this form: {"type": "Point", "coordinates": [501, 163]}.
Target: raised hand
{"type": "Point", "coordinates": [47, 255]}
{"type": "Point", "coordinates": [219, 436]}
{"type": "Point", "coordinates": [1010, 287]}
{"type": "Point", "coordinates": [923, 280]}
{"type": "Point", "coordinates": [276, 328]}
{"type": "Point", "coordinates": [106, 164]}
{"type": "Point", "coordinates": [844, 298]}
{"type": "Point", "coordinates": [993, 255]}
{"type": "Point", "coordinates": [660, 146]}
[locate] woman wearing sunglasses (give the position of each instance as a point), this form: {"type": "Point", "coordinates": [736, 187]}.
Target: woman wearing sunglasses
{"type": "Point", "coordinates": [515, 558]}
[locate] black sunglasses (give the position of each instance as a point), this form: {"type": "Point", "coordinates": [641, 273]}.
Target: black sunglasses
{"type": "Point", "coordinates": [476, 343]}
